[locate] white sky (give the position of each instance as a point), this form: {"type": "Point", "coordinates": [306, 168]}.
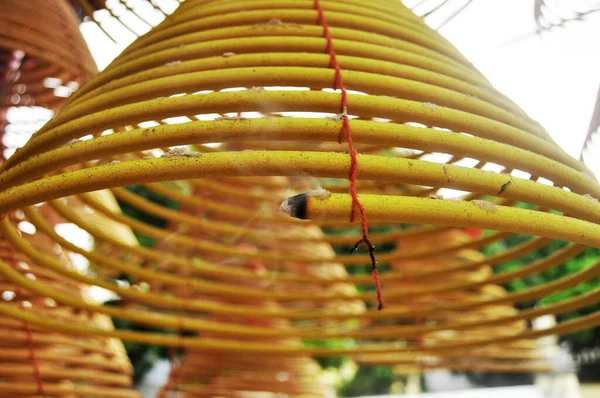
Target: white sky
{"type": "Point", "coordinates": [553, 77]}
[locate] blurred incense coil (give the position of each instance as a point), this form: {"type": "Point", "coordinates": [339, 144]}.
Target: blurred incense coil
{"type": "Point", "coordinates": [216, 374]}
{"type": "Point", "coordinates": [43, 56]}
{"type": "Point", "coordinates": [35, 361]}
{"type": "Point", "coordinates": [230, 374]}
{"type": "Point", "coordinates": [43, 60]}
{"type": "Point", "coordinates": [256, 76]}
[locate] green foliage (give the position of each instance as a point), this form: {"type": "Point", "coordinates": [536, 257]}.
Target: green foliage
{"type": "Point", "coordinates": [516, 264]}
{"type": "Point", "coordinates": [367, 380]}
{"type": "Point", "coordinates": [375, 380]}
{"type": "Point", "coordinates": [578, 341]}
{"type": "Point", "coordinates": [143, 356]}
{"type": "Point", "coordinates": [141, 215]}
{"type": "Point", "coordinates": [330, 362]}
{"type": "Point", "coordinates": [361, 250]}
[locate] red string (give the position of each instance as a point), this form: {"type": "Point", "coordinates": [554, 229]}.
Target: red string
{"type": "Point", "coordinates": [29, 335]}
{"type": "Point", "coordinates": [416, 313]}
{"type": "Point", "coordinates": [474, 233]}
{"type": "Point", "coordinates": [414, 308]}
{"type": "Point", "coordinates": [173, 350]}
{"type": "Point", "coordinates": [34, 362]}
{"type": "Point", "coordinates": [346, 132]}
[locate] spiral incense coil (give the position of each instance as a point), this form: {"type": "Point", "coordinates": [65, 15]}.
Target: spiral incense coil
{"type": "Point", "coordinates": [208, 374]}
{"type": "Point", "coordinates": [43, 60]}
{"type": "Point", "coordinates": [43, 56]}
{"type": "Point", "coordinates": [280, 85]}
{"type": "Point", "coordinates": [38, 362]}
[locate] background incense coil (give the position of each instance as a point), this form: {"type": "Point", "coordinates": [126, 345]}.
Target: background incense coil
{"type": "Point", "coordinates": [39, 362]}
{"type": "Point", "coordinates": [43, 59]}
{"type": "Point", "coordinates": [517, 356]}
{"type": "Point", "coordinates": [187, 378]}
{"type": "Point", "coordinates": [41, 44]}
{"type": "Point", "coordinates": [173, 87]}
{"type": "Point", "coordinates": [233, 376]}
{"type": "Point", "coordinates": [205, 374]}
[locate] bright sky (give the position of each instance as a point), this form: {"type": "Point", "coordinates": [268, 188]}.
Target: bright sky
{"type": "Point", "coordinates": [553, 77]}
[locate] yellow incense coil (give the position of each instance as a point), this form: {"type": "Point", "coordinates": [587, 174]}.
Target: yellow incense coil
{"type": "Point", "coordinates": [214, 375]}
{"type": "Point", "coordinates": [44, 57]}
{"type": "Point", "coordinates": [35, 361]}
{"type": "Point", "coordinates": [43, 60]}
{"type": "Point", "coordinates": [226, 373]}
{"type": "Point", "coordinates": [256, 77]}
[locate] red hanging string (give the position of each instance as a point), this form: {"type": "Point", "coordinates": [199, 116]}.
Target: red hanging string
{"type": "Point", "coordinates": [28, 334]}
{"type": "Point", "coordinates": [174, 365]}
{"type": "Point", "coordinates": [416, 313]}
{"type": "Point", "coordinates": [34, 362]}
{"type": "Point", "coordinates": [346, 132]}
{"type": "Point", "coordinates": [173, 350]}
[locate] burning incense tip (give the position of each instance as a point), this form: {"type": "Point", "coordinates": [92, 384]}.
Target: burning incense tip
{"type": "Point", "coordinates": [296, 206]}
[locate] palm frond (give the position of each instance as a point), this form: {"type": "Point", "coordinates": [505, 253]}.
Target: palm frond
{"type": "Point", "coordinates": [447, 9]}
{"type": "Point", "coordinates": [593, 133]}
{"type": "Point", "coordinates": [551, 14]}
{"type": "Point", "coordinates": [136, 19]}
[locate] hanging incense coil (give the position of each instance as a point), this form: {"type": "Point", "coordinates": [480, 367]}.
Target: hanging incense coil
{"type": "Point", "coordinates": [43, 60]}
{"type": "Point", "coordinates": [259, 77]}
{"type": "Point", "coordinates": [35, 361]}
{"type": "Point", "coordinates": [215, 374]}
{"type": "Point", "coordinates": [43, 56]}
